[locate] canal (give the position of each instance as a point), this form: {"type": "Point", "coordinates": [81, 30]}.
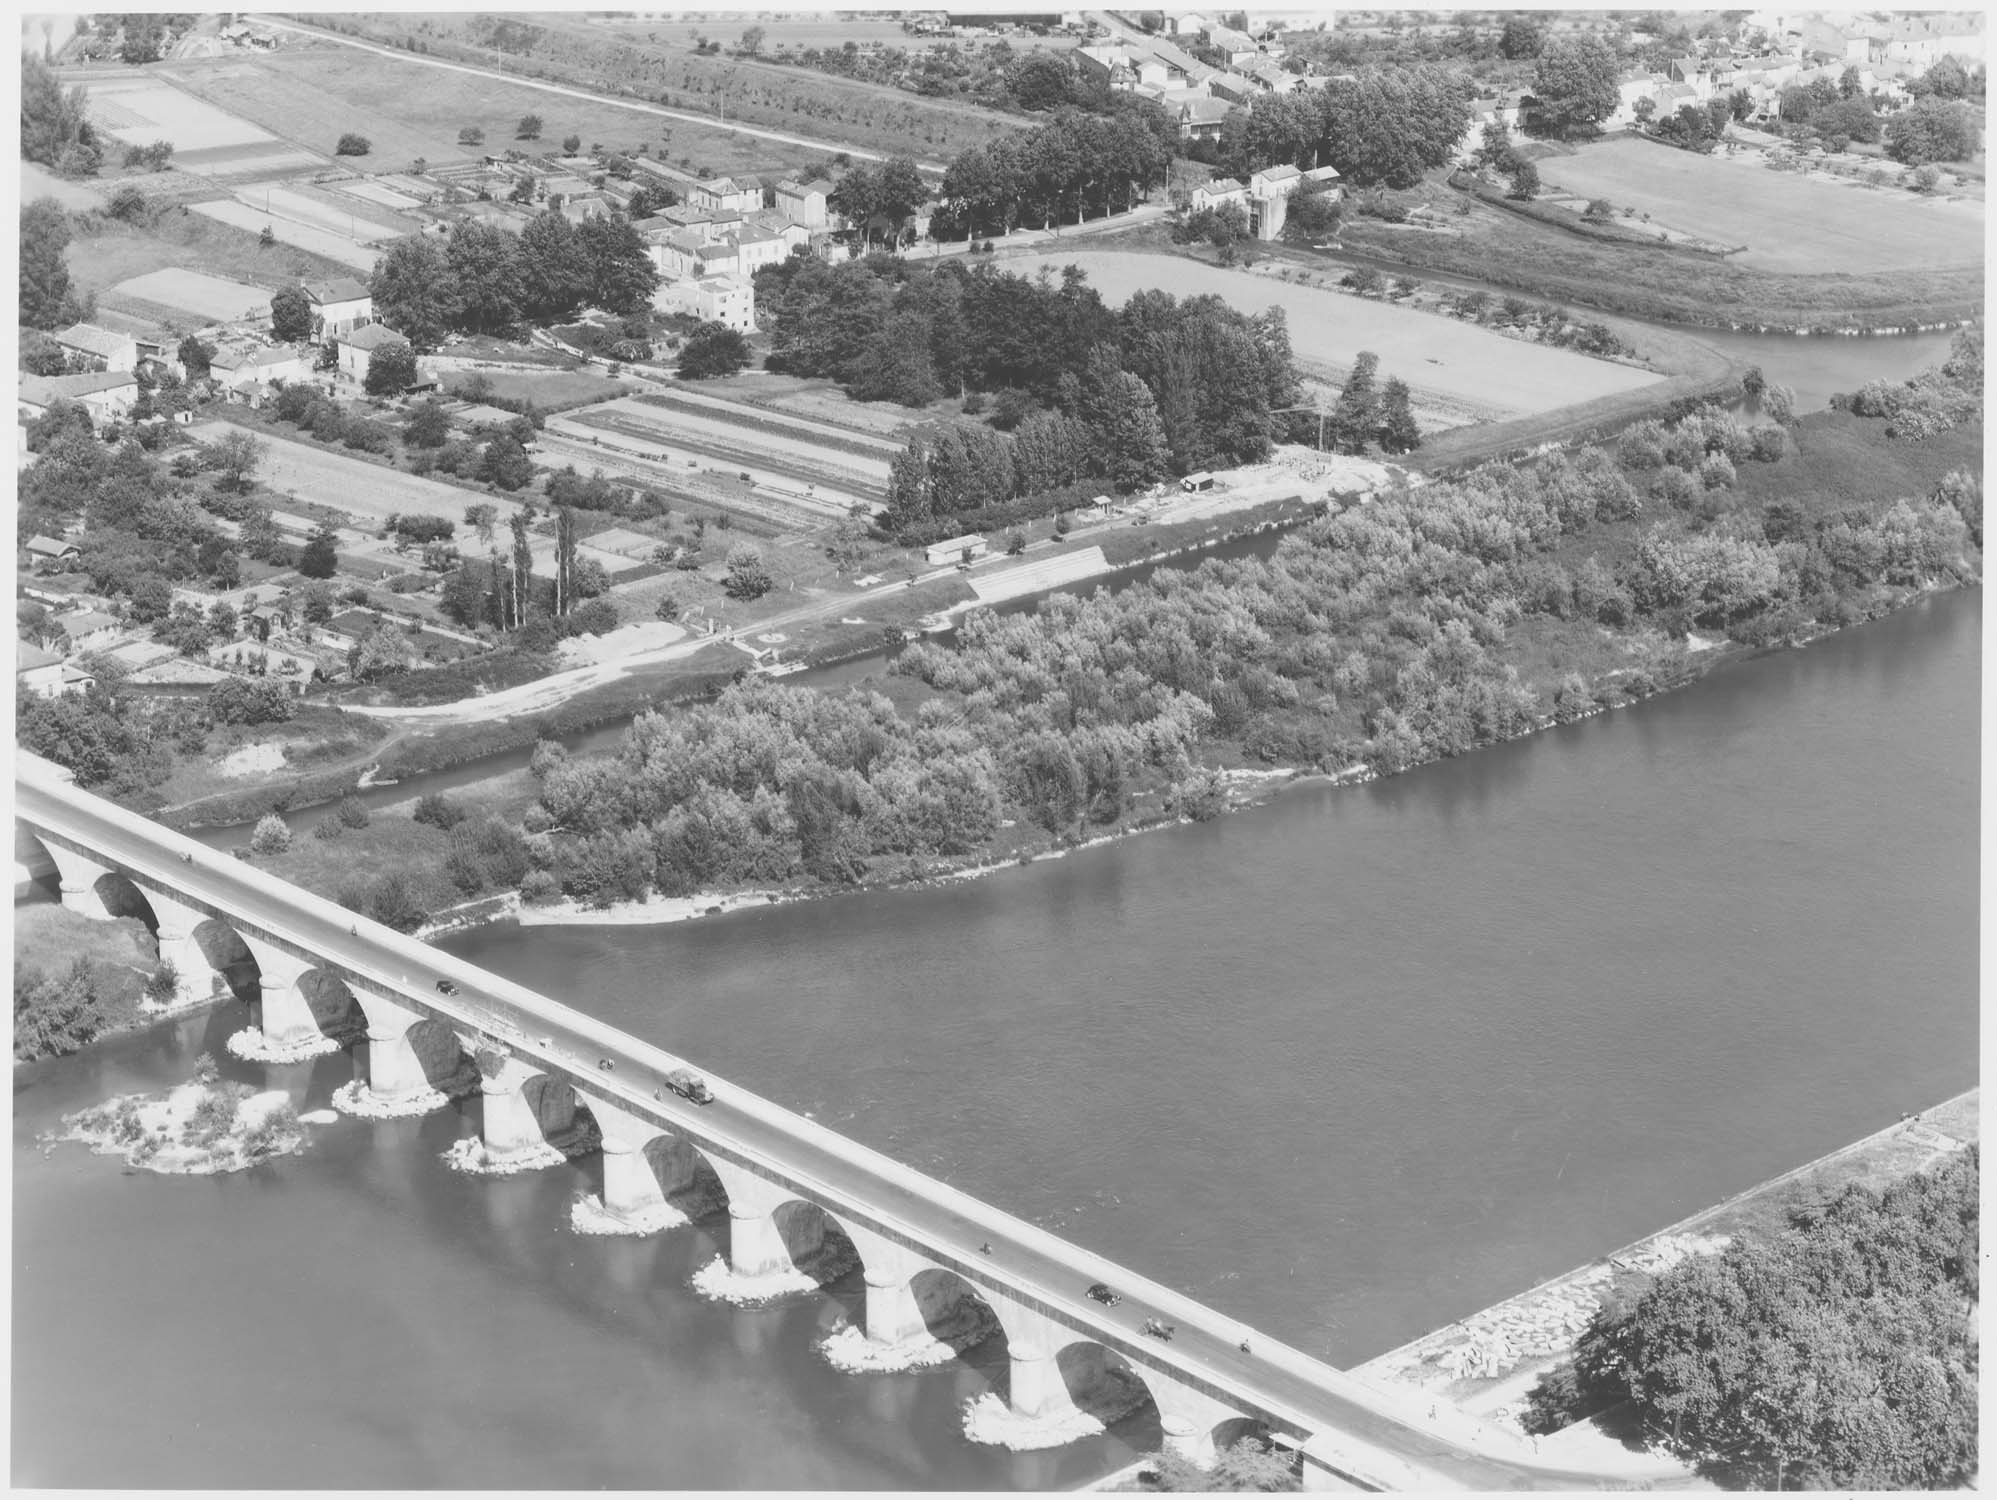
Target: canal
{"type": "Point", "coordinates": [1347, 1066]}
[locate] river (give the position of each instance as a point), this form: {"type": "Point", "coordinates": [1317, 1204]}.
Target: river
{"type": "Point", "coordinates": [1348, 1066]}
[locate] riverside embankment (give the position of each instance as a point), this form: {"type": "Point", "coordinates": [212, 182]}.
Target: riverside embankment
{"type": "Point", "coordinates": [1488, 1361]}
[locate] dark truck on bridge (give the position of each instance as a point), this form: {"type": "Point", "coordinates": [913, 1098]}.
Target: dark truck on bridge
{"type": "Point", "coordinates": [689, 1085]}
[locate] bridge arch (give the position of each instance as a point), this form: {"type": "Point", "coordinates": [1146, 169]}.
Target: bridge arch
{"type": "Point", "coordinates": [686, 1178]}
{"type": "Point", "coordinates": [1106, 1386]}
{"type": "Point", "coordinates": [817, 1243]}
{"type": "Point", "coordinates": [564, 1119]}
{"type": "Point", "coordinates": [1230, 1431]}
{"type": "Point", "coordinates": [954, 1311]}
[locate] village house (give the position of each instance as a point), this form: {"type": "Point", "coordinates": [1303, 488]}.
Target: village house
{"type": "Point", "coordinates": [237, 370]}
{"type": "Point", "coordinates": [1269, 194]}
{"type": "Point", "coordinates": [100, 348]}
{"type": "Point", "coordinates": [88, 629]}
{"type": "Point", "coordinates": [1234, 47]}
{"type": "Point", "coordinates": [1220, 191]}
{"type": "Point", "coordinates": [360, 347]}
{"type": "Point", "coordinates": [804, 202]}
{"type": "Point", "coordinates": [1201, 119]}
{"type": "Point", "coordinates": [49, 551]}
{"type": "Point", "coordinates": [712, 299]}
{"type": "Point", "coordinates": [46, 674]}
{"type": "Point", "coordinates": [725, 195]}
{"type": "Point", "coordinates": [107, 395]}
{"type": "Point", "coordinates": [339, 306]}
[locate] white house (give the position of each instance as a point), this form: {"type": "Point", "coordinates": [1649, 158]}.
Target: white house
{"type": "Point", "coordinates": [1236, 47]}
{"type": "Point", "coordinates": [103, 348]}
{"type": "Point", "coordinates": [1221, 190]}
{"type": "Point", "coordinates": [107, 395]}
{"type": "Point", "coordinates": [50, 550]}
{"type": "Point", "coordinates": [46, 674]}
{"type": "Point", "coordinates": [1269, 199]}
{"type": "Point", "coordinates": [1192, 23]}
{"type": "Point", "coordinates": [804, 202]}
{"type": "Point", "coordinates": [361, 345]}
{"type": "Point", "coordinates": [712, 299]}
{"type": "Point", "coordinates": [726, 195]}
{"type": "Point", "coordinates": [957, 549]}
{"type": "Point", "coordinates": [1201, 119]}
{"type": "Point", "coordinates": [339, 306]}
{"type": "Point", "coordinates": [236, 370]}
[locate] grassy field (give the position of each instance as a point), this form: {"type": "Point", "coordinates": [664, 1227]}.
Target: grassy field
{"type": "Point", "coordinates": [39, 182]}
{"type": "Point", "coordinates": [107, 251]}
{"type": "Point", "coordinates": [370, 492]}
{"type": "Point", "coordinates": [1504, 250]}
{"type": "Point", "coordinates": [570, 50]}
{"type": "Point", "coordinates": [557, 391]}
{"type": "Point", "coordinates": [198, 293]}
{"type": "Point", "coordinates": [145, 107]}
{"type": "Point", "coordinates": [1789, 222]}
{"type": "Point", "coordinates": [1458, 361]}
{"type": "Point", "coordinates": [313, 94]}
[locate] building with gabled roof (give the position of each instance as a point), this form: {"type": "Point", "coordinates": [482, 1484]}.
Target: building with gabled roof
{"type": "Point", "coordinates": [104, 348]}
{"type": "Point", "coordinates": [106, 395]}
{"type": "Point", "coordinates": [359, 347]}
{"type": "Point", "coordinates": [339, 305]}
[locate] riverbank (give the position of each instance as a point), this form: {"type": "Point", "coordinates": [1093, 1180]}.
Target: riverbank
{"type": "Point", "coordinates": [1488, 1361]}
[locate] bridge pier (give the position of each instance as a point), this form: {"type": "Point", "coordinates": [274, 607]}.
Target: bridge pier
{"type": "Point", "coordinates": [177, 922]}
{"type": "Point", "coordinates": [1190, 1418]}
{"type": "Point", "coordinates": [79, 875]}
{"type": "Point", "coordinates": [1038, 1390]}
{"type": "Point", "coordinates": [631, 1189]}
{"type": "Point", "coordinates": [755, 1242]}
{"type": "Point", "coordinates": [893, 1314]}
{"type": "Point", "coordinates": [395, 1072]}
{"type": "Point", "coordinates": [289, 1026]}
{"type": "Point", "coordinates": [509, 1127]}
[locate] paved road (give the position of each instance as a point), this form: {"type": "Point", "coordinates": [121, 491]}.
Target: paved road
{"type": "Point", "coordinates": [816, 144]}
{"type": "Point", "coordinates": [1384, 1435]}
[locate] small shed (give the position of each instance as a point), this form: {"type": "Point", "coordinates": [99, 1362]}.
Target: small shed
{"type": "Point", "coordinates": [1193, 483]}
{"type": "Point", "coordinates": [958, 549]}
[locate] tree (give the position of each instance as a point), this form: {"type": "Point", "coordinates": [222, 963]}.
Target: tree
{"type": "Point", "coordinates": [485, 272]}
{"type": "Point", "coordinates": [1930, 130]}
{"type": "Point", "coordinates": [471, 135]}
{"type": "Point", "coordinates": [414, 290]}
{"type": "Point", "coordinates": [236, 456]}
{"type": "Point", "coordinates": [752, 41]}
{"type": "Point", "coordinates": [55, 126]}
{"type": "Point", "coordinates": [391, 370]}
{"type": "Point", "coordinates": [529, 128]}
{"type": "Point", "coordinates": [1525, 180]}
{"type": "Point", "coordinates": [481, 515]}
{"type": "Point", "coordinates": [504, 463]}
{"type": "Point", "coordinates": [429, 426]}
{"type": "Point", "coordinates": [1521, 39]}
{"type": "Point", "coordinates": [46, 298]}
{"type": "Point", "coordinates": [748, 575]}
{"type": "Point", "coordinates": [712, 349]}
{"type": "Point", "coordinates": [320, 557]}
{"type": "Point", "coordinates": [571, 144]}
{"type": "Point", "coordinates": [1385, 127]}
{"type": "Point", "coordinates": [270, 836]}
{"type": "Point", "coordinates": [1355, 418]}
{"type": "Point", "coordinates": [1398, 432]}
{"type": "Point", "coordinates": [1574, 88]}
{"type": "Point", "coordinates": [847, 547]}
{"type": "Point", "coordinates": [290, 315]}
{"type": "Point", "coordinates": [353, 145]}
{"type": "Point", "coordinates": [617, 271]}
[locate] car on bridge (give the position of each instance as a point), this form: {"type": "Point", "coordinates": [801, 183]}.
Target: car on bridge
{"type": "Point", "coordinates": [1100, 1293]}
{"type": "Point", "coordinates": [690, 1085]}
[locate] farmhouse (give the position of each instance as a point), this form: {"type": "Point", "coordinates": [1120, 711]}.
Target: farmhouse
{"type": "Point", "coordinates": [725, 195]}
{"type": "Point", "coordinates": [339, 306]}
{"type": "Point", "coordinates": [1221, 190]}
{"type": "Point", "coordinates": [804, 202]}
{"type": "Point", "coordinates": [46, 674]}
{"type": "Point", "coordinates": [236, 370]}
{"type": "Point", "coordinates": [1201, 119]}
{"type": "Point", "coordinates": [958, 549]}
{"type": "Point", "coordinates": [108, 395]}
{"type": "Point", "coordinates": [49, 549]}
{"type": "Point", "coordinates": [360, 346]}
{"type": "Point", "coordinates": [104, 349]}
{"type": "Point", "coordinates": [712, 299]}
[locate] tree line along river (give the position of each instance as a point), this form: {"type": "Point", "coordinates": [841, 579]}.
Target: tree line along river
{"type": "Point", "coordinates": [1346, 1066]}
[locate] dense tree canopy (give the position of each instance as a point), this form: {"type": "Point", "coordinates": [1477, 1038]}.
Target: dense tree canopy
{"type": "Point", "coordinates": [1839, 1355]}
{"type": "Point", "coordinates": [55, 124]}
{"type": "Point", "coordinates": [46, 298]}
{"type": "Point", "coordinates": [1931, 130]}
{"type": "Point", "coordinates": [1573, 88]}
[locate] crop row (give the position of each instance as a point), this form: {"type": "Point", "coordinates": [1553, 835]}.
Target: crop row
{"type": "Point", "coordinates": [776, 425]}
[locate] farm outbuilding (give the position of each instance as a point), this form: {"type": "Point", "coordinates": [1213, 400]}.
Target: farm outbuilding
{"type": "Point", "coordinates": [1194, 483]}
{"type": "Point", "coordinates": [957, 549]}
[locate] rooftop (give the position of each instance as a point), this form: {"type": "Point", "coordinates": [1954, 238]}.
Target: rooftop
{"type": "Point", "coordinates": [374, 336]}
{"type": "Point", "coordinates": [338, 289]}
{"type": "Point", "coordinates": [93, 340]}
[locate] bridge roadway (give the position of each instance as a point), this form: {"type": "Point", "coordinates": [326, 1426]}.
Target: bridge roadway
{"type": "Point", "coordinates": [1378, 1437]}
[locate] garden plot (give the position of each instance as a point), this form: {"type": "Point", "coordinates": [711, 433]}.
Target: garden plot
{"type": "Point", "coordinates": [319, 241]}
{"type": "Point", "coordinates": [144, 109]}
{"type": "Point", "coordinates": [1789, 222]}
{"type": "Point", "coordinates": [1452, 362]}
{"type": "Point", "coordinates": [369, 492]}
{"type": "Point", "coordinates": [753, 437]}
{"type": "Point", "coordinates": [374, 192]}
{"type": "Point", "coordinates": [268, 159]}
{"type": "Point", "coordinates": [361, 225]}
{"type": "Point", "coordinates": [192, 291]}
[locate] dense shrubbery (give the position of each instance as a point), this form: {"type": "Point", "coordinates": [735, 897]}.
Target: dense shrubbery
{"type": "Point", "coordinates": [1378, 636]}
{"type": "Point", "coordinates": [1933, 401]}
{"type": "Point", "coordinates": [55, 1014]}
{"type": "Point", "coordinates": [1839, 1354]}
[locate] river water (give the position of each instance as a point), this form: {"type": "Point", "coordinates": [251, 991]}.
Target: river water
{"type": "Point", "coordinates": [1348, 1066]}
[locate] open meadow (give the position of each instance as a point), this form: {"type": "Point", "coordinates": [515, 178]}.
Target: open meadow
{"type": "Point", "coordinates": [1789, 222]}
{"type": "Point", "coordinates": [209, 297]}
{"type": "Point", "coordinates": [140, 108]}
{"type": "Point", "coordinates": [314, 93]}
{"type": "Point", "coordinates": [1467, 368]}
{"type": "Point", "coordinates": [369, 492]}
{"type": "Point", "coordinates": [106, 254]}
{"type": "Point", "coordinates": [290, 232]}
